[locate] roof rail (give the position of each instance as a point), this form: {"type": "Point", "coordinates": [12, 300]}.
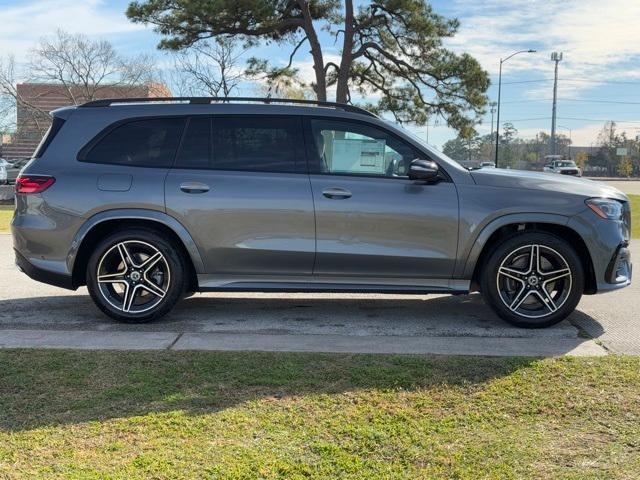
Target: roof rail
{"type": "Point", "coordinates": [107, 102]}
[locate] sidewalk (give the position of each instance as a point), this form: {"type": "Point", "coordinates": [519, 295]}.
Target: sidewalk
{"type": "Point", "coordinates": [487, 346]}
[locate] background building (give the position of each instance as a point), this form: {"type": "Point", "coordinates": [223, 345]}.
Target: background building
{"type": "Point", "coordinates": [36, 100]}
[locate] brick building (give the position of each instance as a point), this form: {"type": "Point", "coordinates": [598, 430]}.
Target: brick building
{"type": "Point", "coordinates": [37, 99]}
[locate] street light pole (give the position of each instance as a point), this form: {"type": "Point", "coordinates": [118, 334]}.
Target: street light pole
{"type": "Point", "coordinates": [499, 92]}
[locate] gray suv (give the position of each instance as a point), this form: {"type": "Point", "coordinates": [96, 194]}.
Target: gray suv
{"type": "Point", "coordinates": [148, 201]}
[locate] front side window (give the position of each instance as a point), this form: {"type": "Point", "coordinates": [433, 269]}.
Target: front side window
{"type": "Point", "coordinates": [348, 148]}
{"type": "Point", "coordinates": [257, 143]}
{"type": "Point", "coordinates": [139, 143]}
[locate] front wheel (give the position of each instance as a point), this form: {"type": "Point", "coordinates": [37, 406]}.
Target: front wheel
{"type": "Point", "coordinates": [135, 275]}
{"type": "Point", "coordinates": [533, 280]}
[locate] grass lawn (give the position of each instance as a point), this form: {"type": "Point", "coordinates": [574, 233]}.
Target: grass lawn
{"type": "Point", "coordinates": [635, 216]}
{"type": "Point", "coordinates": [265, 415]}
{"type": "Point", "coordinates": [6, 212]}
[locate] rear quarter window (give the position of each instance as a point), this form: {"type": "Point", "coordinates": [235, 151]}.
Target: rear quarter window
{"type": "Point", "coordinates": [138, 143]}
{"type": "Point", "coordinates": [56, 125]}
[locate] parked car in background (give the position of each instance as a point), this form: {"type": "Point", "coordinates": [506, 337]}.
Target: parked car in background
{"type": "Point", "coordinates": [3, 174]}
{"type": "Point", "coordinates": [487, 165]}
{"type": "Point", "coordinates": [13, 170]}
{"type": "Point", "coordinates": [563, 166]}
{"type": "Point", "coordinates": [148, 201]}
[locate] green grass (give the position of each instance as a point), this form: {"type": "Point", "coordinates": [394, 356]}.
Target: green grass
{"type": "Point", "coordinates": [292, 416]}
{"type": "Point", "coordinates": [635, 215]}
{"type": "Point", "coordinates": [6, 212]}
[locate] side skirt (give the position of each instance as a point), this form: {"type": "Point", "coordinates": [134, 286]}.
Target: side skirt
{"type": "Point", "coordinates": [257, 283]}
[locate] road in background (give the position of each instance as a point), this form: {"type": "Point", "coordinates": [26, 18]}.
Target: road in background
{"type": "Point", "coordinates": [630, 187]}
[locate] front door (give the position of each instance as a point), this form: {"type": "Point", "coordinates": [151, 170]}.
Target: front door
{"type": "Point", "coordinates": [371, 220]}
{"type": "Point", "coordinates": [240, 187]}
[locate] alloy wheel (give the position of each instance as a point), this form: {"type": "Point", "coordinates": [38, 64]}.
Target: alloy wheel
{"type": "Point", "coordinates": [133, 276]}
{"type": "Point", "coordinates": [534, 281]}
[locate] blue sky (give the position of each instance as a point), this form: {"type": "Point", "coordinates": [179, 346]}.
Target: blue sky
{"type": "Point", "coordinates": [599, 76]}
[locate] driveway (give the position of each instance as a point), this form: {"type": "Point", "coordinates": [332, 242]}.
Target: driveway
{"type": "Point", "coordinates": [34, 314]}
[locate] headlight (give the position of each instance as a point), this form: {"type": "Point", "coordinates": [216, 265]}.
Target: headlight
{"type": "Point", "coordinates": [605, 208]}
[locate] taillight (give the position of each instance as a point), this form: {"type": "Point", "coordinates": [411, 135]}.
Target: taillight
{"type": "Point", "coordinates": [33, 183]}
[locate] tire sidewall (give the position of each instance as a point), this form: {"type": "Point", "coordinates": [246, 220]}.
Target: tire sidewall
{"type": "Point", "coordinates": [173, 257]}
{"type": "Point", "coordinates": [489, 283]}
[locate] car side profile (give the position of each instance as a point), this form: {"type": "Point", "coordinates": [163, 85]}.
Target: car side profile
{"type": "Point", "coordinates": [145, 201]}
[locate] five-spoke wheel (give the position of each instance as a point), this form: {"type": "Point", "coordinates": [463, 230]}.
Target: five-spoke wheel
{"type": "Point", "coordinates": [133, 276]}
{"type": "Point", "coordinates": [136, 275]}
{"type": "Point", "coordinates": [533, 279]}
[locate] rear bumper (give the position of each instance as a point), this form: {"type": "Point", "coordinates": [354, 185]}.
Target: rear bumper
{"type": "Point", "coordinates": [41, 275]}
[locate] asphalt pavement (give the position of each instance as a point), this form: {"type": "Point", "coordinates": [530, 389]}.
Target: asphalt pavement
{"type": "Point", "coordinates": [38, 315]}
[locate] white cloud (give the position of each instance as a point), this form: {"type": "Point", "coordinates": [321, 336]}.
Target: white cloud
{"type": "Point", "coordinates": [599, 38]}
{"type": "Point", "coordinates": [24, 24]}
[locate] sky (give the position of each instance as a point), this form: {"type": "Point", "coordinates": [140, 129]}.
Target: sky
{"type": "Point", "coordinates": [599, 76]}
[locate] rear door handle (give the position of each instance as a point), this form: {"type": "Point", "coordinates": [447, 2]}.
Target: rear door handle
{"type": "Point", "coordinates": [194, 187]}
{"type": "Point", "coordinates": [336, 193]}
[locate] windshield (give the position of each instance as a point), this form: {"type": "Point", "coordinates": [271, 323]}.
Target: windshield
{"type": "Point", "coordinates": [565, 164]}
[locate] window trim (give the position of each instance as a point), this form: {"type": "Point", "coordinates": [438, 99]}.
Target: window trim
{"type": "Point", "coordinates": [84, 151]}
{"type": "Point", "coordinates": [314, 170]}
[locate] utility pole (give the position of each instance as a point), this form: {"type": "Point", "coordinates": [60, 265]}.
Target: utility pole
{"type": "Point", "coordinates": [555, 57]}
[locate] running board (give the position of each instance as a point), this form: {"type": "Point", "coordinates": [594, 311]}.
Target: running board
{"type": "Point", "coordinates": [255, 283]}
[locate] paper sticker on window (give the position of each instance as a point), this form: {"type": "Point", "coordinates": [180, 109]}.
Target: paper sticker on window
{"type": "Point", "coordinates": [358, 156]}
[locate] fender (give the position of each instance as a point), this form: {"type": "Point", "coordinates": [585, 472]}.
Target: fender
{"type": "Point", "coordinates": [475, 244]}
{"type": "Point", "coordinates": [140, 214]}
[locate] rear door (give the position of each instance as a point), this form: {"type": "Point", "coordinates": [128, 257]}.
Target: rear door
{"type": "Point", "coordinates": [241, 188]}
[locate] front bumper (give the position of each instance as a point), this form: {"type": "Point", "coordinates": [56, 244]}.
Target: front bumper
{"type": "Point", "coordinates": [620, 269]}
{"type": "Point", "coordinates": [607, 242]}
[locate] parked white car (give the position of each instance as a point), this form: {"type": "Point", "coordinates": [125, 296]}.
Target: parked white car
{"type": "Point", "coordinates": [3, 174]}
{"type": "Point", "coordinates": [563, 167]}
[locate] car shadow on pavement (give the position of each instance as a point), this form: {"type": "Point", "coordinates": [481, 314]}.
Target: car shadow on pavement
{"type": "Point", "coordinates": [462, 315]}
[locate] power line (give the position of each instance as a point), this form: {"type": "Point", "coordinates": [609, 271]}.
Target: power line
{"type": "Point", "coordinates": [579, 100]}
{"type": "Point", "coordinates": [588, 80]}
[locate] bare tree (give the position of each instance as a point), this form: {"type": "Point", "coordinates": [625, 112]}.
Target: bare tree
{"type": "Point", "coordinates": [82, 66]}
{"type": "Point", "coordinates": [209, 68]}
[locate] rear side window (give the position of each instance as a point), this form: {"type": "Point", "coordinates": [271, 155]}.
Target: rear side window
{"type": "Point", "coordinates": [195, 151]}
{"type": "Point", "coordinates": [56, 125]}
{"type": "Point", "coordinates": [139, 143]}
{"type": "Point", "coordinates": [257, 143]}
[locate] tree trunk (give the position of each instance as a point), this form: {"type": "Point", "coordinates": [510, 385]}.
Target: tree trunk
{"type": "Point", "coordinates": [342, 91]}
{"type": "Point", "coordinates": [316, 52]}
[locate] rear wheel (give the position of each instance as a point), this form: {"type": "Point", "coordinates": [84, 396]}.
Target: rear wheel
{"type": "Point", "coordinates": [533, 280]}
{"type": "Point", "coordinates": [136, 276]}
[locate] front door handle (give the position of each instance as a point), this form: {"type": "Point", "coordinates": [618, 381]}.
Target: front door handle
{"type": "Point", "coordinates": [336, 193]}
{"type": "Point", "coordinates": [194, 187]}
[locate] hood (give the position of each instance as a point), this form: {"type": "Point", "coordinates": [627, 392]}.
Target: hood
{"type": "Point", "coordinates": [551, 182]}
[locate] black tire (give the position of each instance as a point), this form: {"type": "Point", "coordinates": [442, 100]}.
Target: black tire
{"type": "Point", "coordinates": [156, 287]}
{"type": "Point", "coordinates": [505, 282]}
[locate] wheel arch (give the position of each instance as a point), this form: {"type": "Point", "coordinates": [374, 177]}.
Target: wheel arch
{"type": "Point", "coordinates": [103, 223]}
{"type": "Point", "coordinates": [501, 228]}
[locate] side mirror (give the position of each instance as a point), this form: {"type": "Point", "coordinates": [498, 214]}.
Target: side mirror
{"type": "Point", "coordinates": [423, 170]}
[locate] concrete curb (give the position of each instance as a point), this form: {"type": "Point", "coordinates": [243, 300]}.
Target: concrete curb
{"type": "Point", "coordinates": [489, 346]}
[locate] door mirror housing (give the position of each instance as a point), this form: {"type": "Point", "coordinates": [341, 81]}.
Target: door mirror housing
{"type": "Point", "coordinates": [423, 170]}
